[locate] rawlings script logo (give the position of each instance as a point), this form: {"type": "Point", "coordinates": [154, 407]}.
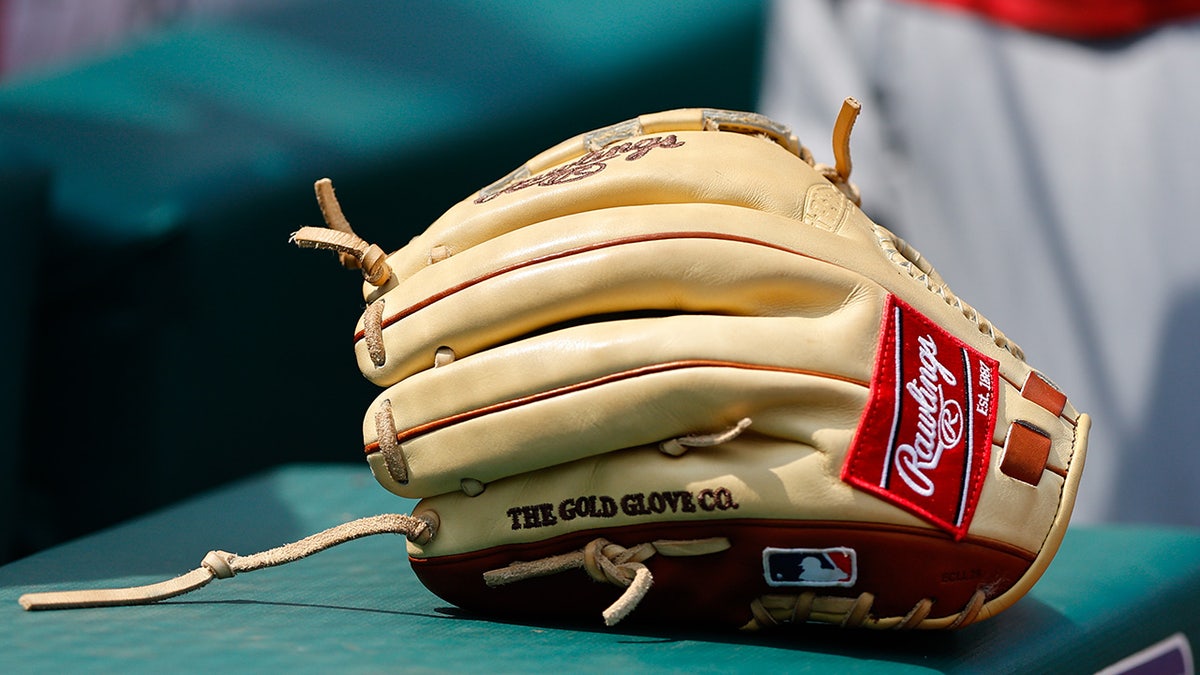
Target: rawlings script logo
{"type": "Point", "coordinates": [939, 421]}
{"type": "Point", "coordinates": [589, 165]}
{"type": "Point", "coordinates": [924, 440]}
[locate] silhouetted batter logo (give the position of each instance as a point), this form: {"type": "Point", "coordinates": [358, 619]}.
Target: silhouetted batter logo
{"type": "Point", "coordinates": [812, 567]}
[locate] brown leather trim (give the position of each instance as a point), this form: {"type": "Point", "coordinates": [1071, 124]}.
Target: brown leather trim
{"type": "Point", "coordinates": [1041, 392]}
{"type": "Point", "coordinates": [434, 425]}
{"type": "Point", "coordinates": [899, 565]}
{"type": "Point", "coordinates": [411, 309]}
{"type": "Point", "coordinates": [1026, 450]}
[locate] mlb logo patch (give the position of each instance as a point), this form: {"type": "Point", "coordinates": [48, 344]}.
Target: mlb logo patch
{"type": "Point", "coordinates": [810, 567]}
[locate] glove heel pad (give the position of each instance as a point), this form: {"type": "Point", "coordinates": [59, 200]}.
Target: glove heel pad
{"type": "Point", "coordinates": [900, 567]}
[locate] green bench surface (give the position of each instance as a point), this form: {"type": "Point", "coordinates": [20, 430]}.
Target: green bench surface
{"type": "Point", "coordinates": [358, 607]}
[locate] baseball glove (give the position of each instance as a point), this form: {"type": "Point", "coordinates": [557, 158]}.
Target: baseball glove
{"type": "Point", "coordinates": [674, 350]}
{"type": "Point", "coordinates": [673, 357]}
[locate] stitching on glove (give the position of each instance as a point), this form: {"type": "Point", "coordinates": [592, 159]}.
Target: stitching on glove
{"type": "Point", "coordinates": [907, 258]}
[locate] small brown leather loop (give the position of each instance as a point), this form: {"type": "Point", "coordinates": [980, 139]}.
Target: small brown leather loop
{"type": "Point", "coordinates": [1026, 451]}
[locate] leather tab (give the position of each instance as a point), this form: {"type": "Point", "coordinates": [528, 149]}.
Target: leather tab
{"type": "Point", "coordinates": [1038, 390]}
{"type": "Point", "coordinates": [1025, 453]}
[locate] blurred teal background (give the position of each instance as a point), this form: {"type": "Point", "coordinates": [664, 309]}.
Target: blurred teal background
{"type": "Point", "coordinates": [162, 335]}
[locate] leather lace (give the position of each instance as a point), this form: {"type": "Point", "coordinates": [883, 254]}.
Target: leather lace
{"type": "Point", "coordinates": [222, 564]}
{"type": "Point", "coordinates": [611, 563]}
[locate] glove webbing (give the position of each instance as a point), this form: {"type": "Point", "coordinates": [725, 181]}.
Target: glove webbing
{"type": "Point", "coordinates": [222, 565]}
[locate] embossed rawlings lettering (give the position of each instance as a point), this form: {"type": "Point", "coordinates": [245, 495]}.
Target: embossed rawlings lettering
{"type": "Point", "coordinates": [633, 504]}
{"type": "Point", "coordinates": [589, 165]}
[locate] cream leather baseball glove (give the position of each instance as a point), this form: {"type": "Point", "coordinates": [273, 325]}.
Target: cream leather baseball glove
{"type": "Point", "coordinates": [675, 350]}
{"type": "Point", "coordinates": [669, 370]}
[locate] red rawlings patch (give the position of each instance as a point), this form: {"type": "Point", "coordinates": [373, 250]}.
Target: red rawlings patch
{"type": "Point", "coordinates": [926, 435]}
